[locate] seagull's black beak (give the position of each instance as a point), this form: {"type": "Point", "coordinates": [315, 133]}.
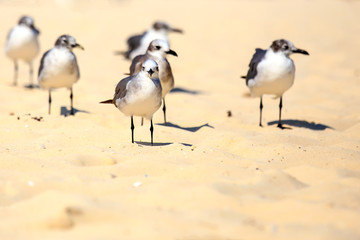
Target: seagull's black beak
{"type": "Point", "coordinates": [297, 50]}
{"type": "Point", "coordinates": [76, 45]}
{"type": "Point", "coordinates": [151, 72]}
{"type": "Point", "coordinates": [176, 30]}
{"type": "Point", "coordinates": [35, 29]}
{"type": "Point", "coordinates": [172, 53]}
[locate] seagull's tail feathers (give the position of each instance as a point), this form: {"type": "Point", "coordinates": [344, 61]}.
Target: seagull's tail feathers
{"type": "Point", "coordinates": [127, 74]}
{"type": "Point", "coordinates": [110, 101]}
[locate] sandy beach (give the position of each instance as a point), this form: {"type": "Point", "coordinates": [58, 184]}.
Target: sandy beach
{"type": "Point", "coordinates": [208, 176]}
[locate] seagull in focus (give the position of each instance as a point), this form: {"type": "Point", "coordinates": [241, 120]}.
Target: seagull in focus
{"type": "Point", "coordinates": [59, 67]}
{"type": "Point", "coordinates": [272, 71]}
{"type": "Point", "coordinates": [139, 95]}
{"type": "Point", "coordinates": [138, 44]}
{"type": "Point", "coordinates": [22, 44]}
{"type": "Point", "coordinates": [157, 51]}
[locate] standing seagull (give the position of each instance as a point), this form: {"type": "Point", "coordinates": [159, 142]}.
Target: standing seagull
{"type": "Point", "coordinates": [138, 44]}
{"type": "Point", "coordinates": [157, 51]}
{"type": "Point", "coordinates": [59, 68]}
{"type": "Point", "coordinates": [272, 71]}
{"type": "Point", "coordinates": [22, 44]}
{"type": "Point", "coordinates": [139, 95]}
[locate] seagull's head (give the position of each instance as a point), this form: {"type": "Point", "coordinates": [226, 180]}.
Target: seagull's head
{"type": "Point", "coordinates": [163, 26]}
{"type": "Point", "coordinates": [151, 68]}
{"type": "Point", "coordinates": [68, 42]}
{"type": "Point", "coordinates": [160, 48]}
{"type": "Point", "coordinates": [29, 22]}
{"type": "Point", "coordinates": [286, 47]}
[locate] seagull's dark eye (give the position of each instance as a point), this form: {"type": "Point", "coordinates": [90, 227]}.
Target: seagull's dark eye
{"type": "Point", "coordinates": [143, 68]}
{"type": "Point", "coordinates": [286, 47]}
{"type": "Point", "coordinates": [157, 69]}
{"type": "Point", "coordinates": [65, 40]}
{"type": "Point", "coordinates": [158, 47]}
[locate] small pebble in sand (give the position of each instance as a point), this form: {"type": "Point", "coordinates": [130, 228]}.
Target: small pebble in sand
{"type": "Point", "coordinates": [229, 113]}
{"type": "Point", "coordinates": [26, 126]}
{"type": "Point", "coordinates": [137, 184]}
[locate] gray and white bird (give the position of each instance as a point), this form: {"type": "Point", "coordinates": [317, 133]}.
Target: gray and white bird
{"type": "Point", "coordinates": [59, 67]}
{"type": "Point", "coordinates": [272, 72]}
{"type": "Point", "coordinates": [139, 95]}
{"type": "Point", "coordinates": [22, 44]}
{"type": "Point", "coordinates": [157, 51]}
{"type": "Point", "coordinates": [138, 44]}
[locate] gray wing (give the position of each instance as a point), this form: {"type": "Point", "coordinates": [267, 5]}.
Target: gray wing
{"type": "Point", "coordinates": [120, 90]}
{"type": "Point", "coordinates": [133, 43]}
{"type": "Point", "coordinates": [136, 64]}
{"type": "Point", "coordinates": [259, 54]}
{"type": "Point", "coordinates": [42, 62]}
{"type": "Point", "coordinates": [76, 66]}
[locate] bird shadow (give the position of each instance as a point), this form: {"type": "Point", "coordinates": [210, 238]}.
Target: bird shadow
{"type": "Point", "coordinates": [190, 129]}
{"type": "Point", "coordinates": [67, 112]}
{"type": "Point", "coordinates": [31, 86]}
{"type": "Point", "coordinates": [159, 144]}
{"type": "Point", "coordinates": [184, 90]}
{"type": "Point", "coordinates": [302, 124]}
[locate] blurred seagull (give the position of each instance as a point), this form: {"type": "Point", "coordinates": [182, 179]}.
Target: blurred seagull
{"type": "Point", "coordinates": [59, 68]}
{"type": "Point", "coordinates": [272, 71]}
{"type": "Point", "coordinates": [138, 44]}
{"type": "Point", "coordinates": [22, 44]}
{"type": "Point", "coordinates": [157, 51]}
{"type": "Point", "coordinates": [139, 95]}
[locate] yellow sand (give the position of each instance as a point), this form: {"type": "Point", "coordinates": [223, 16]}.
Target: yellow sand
{"type": "Point", "coordinates": [209, 176]}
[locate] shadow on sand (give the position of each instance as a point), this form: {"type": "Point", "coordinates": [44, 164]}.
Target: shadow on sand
{"type": "Point", "coordinates": [184, 90]}
{"type": "Point", "coordinates": [190, 129]}
{"type": "Point", "coordinates": [157, 144]}
{"type": "Point", "coordinates": [66, 112]}
{"type": "Point", "coordinates": [302, 124]}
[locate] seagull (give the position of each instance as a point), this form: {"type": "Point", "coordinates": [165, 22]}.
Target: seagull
{"type": "Point", "coordinates": [157, 51]}
{"type": "Point", "coordinates": [59, 68]}
{"type": "Point", "coordinates": [139, 95]}
{"type": "Point", "coordinates": [22, 44]}
{"type": "Point", "coordinates": [272, 71]}
{"type": "Point", "coordinates": [138, 44]}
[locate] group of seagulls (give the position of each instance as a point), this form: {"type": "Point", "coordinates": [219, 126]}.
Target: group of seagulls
{"type": "Point", "coordinates": [141, 94]}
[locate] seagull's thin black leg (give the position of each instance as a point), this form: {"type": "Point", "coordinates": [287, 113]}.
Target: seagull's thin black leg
{"type": "Point", "coordinates": [261, 108]}
{"type": "Point", "coordinates": [151, 131]}
{"type": "Point", "coordinates": [49, 101]}
{"type": "Point", "coordinates": [142, 121]}
{"type": "Point", "coordinates": [164, 110]}
{"type": "Point", "coordinates": [280, 107]}
{"type": "Point", "coordinates": [71, 101]}
{"type": "Point", "coordinates": [132, 129]}
{"type": "Point", "coordinates": [31, 75]}
{"type": "Point", "coordinates": [16, 70]}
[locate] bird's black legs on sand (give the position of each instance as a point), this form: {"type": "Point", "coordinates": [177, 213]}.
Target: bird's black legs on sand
{"type": "Point", "coordinates": [49, 101]}
{"type": "Point", "coordinates": [164, 110]}
{"type": "Point", "coordinates": [261, 107]}
{"type": "Point", "coordinates": [151, 131]}
{"type": "Point", "coordinates": [280, 107]}
{"type": "Point", "coordinates": [132, 129]}
{"type": "Point", "coordinates": [71, 101]}
{"type": "Point", "coordinates": [16, 68]}
{"type": "Point", "coordinates": [31, 75]}
{"type": "Point", "coordinates": [142, 121]}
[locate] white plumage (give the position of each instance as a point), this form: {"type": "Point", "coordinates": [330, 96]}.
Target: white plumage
{"type": "Point", "coordinates": [22, 44]}
{"type": "Point", "coordinates": [272, 72]}
{"type": "Point", "coordinates": [59, 68]}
